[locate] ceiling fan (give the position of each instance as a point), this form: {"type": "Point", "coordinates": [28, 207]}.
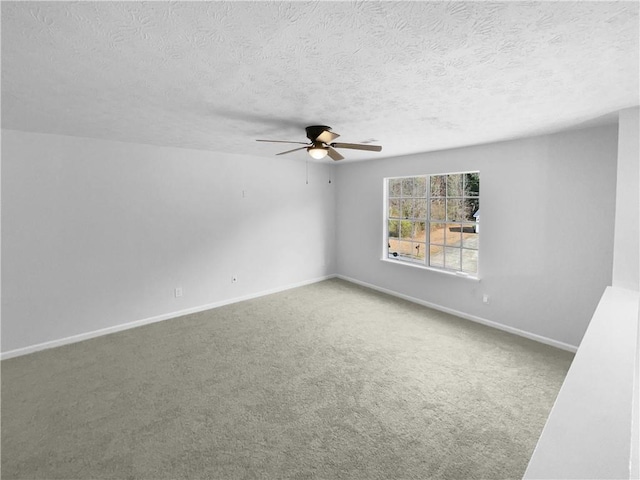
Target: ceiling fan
{"type": "Point", "coordinates": [320, 143]}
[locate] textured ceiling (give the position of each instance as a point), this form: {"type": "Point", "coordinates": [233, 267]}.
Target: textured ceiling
{"type": "Point", "coordinates": [412, 76]}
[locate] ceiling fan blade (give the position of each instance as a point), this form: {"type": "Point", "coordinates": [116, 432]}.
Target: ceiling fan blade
{"type": "Point", "coordinates": [327, 136]}
{"type": "Point", "coordinates": [334, 154]}
{"type": "Point", "coordinates": [357, 146]}
{"type": "Point", "coordinates": [282, 141]}
{"type": "Point", "coordinates": [289, 151]}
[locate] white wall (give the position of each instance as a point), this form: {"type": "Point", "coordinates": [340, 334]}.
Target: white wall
{"type": "Point", "coordinates": [98, 233]}
{"type": "Point", "coordinates": [627, 246]}
{"type": "Point", "coordinates": [592, 431]}
{"type": "Point", "coordinates": [546, 239]}
{"type": "Point", "coordinates": [626, 257]}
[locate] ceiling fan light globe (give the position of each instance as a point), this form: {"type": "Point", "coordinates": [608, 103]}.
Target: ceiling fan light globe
{"type": "Point", "coordinates": [317, 153]}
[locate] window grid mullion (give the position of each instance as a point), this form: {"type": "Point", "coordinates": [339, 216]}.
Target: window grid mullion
{"type": "Point", "coordinates": [406, 244]}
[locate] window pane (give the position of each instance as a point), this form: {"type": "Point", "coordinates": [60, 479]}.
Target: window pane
{"type": "Point", "coordinates": [454, 235]}
{"type": "Point", "coordinates": [406, 229]}
{"type": "Point", "coordinates": [407, 208]}
{"type": "Point", "coordinates": [438, 186]}
{"type": "Point", "coordinates": [454, 185]}
{"type": "Point", "coordinates": [412, 230]}
{"type": "Point", "coordinates": [418, 250]}
{"type": "Point", "coordinates": [471, 206]}
{"type": "Point", "coordinates": [405, 249]}
{"type": "Point", "coordinates": [469, 236]}
{"type": "Point", "coordinates": [393, 228]}
{"type": "Point", "coordinates": [407, 187]}
{"type": "Point", "coordinates": [471, 184]}
{"type": "Point", "coordinates": [436, 256]}
{"type": "Point", "coordinates": [455, 210]}
{"type": "Point", "coordinates": [394, 208]}
{"type": "Point", "coordinates": [394, 187]}
{"type": "Point", "coordinates": [420, 187]}
{"type": "Point", "coordinates": [420, 208]}
{"type": "Point", "coordinates": [393, 247]}
{"type": "Point", "coordinates": [437, 210]}
{"type": "Point", "coordinates": [452, 258]}
{"type": "Point", "coordinates": [436, 233]}
{"type": "Point", "coordinates": [469, 261]}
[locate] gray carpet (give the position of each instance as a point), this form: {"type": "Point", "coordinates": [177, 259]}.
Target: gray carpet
{"type": "Point", "coordinates": [327, 381]}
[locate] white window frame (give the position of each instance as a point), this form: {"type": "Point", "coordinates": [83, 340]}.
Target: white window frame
{"type": "Point", "coordinates": [425, 264]}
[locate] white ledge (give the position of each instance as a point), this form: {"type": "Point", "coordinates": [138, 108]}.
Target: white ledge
{"type": "Point", "coordinates": [588, 433]}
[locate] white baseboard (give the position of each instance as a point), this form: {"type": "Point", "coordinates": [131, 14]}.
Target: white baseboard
{"type": "Point", "coordinates": [138, 323]}
{"type": "Point", "coordinates": [466, 316]}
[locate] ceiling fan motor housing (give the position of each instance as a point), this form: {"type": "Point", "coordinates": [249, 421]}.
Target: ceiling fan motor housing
{"type": "Point", "coordinates": [314, 131]}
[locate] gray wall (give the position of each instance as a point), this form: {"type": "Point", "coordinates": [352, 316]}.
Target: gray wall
{"type": "Point", "coordinates": [97, 234]}
{"type": "Point", "coordinates": [626, 257]}
{"type": "Point", "coordinates": [546, 244]}
{"type": "Point", "coordinates": [592, 431]}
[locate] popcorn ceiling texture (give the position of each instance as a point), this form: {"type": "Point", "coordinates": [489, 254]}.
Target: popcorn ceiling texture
{"type": "Point", "coordinates": [413, 76]}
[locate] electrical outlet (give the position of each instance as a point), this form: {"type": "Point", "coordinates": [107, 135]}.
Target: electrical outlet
{"type": "Point", "coordinates": [485, 298]}
{"type": "Point", "coordinates": [178, 292]}
{"type": "Point", "coordinates": [234, 279]}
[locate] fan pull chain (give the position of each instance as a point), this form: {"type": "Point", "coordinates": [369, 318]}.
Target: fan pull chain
{"type": "Point", "coordinates": [307, 165]}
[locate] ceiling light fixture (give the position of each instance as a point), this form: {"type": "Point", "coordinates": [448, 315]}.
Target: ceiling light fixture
{"type": "Point", "coordinates": [317, 151]}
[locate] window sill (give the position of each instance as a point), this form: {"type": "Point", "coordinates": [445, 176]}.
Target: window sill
{"type": "Point", "coordinates": [465, 276]}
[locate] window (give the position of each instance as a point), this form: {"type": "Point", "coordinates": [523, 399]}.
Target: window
{"type": "Point", "coordinates": [433, 220]}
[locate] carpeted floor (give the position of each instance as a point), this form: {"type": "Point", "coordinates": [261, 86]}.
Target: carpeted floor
{"type": "Point", "coordinates": [325, 381]}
